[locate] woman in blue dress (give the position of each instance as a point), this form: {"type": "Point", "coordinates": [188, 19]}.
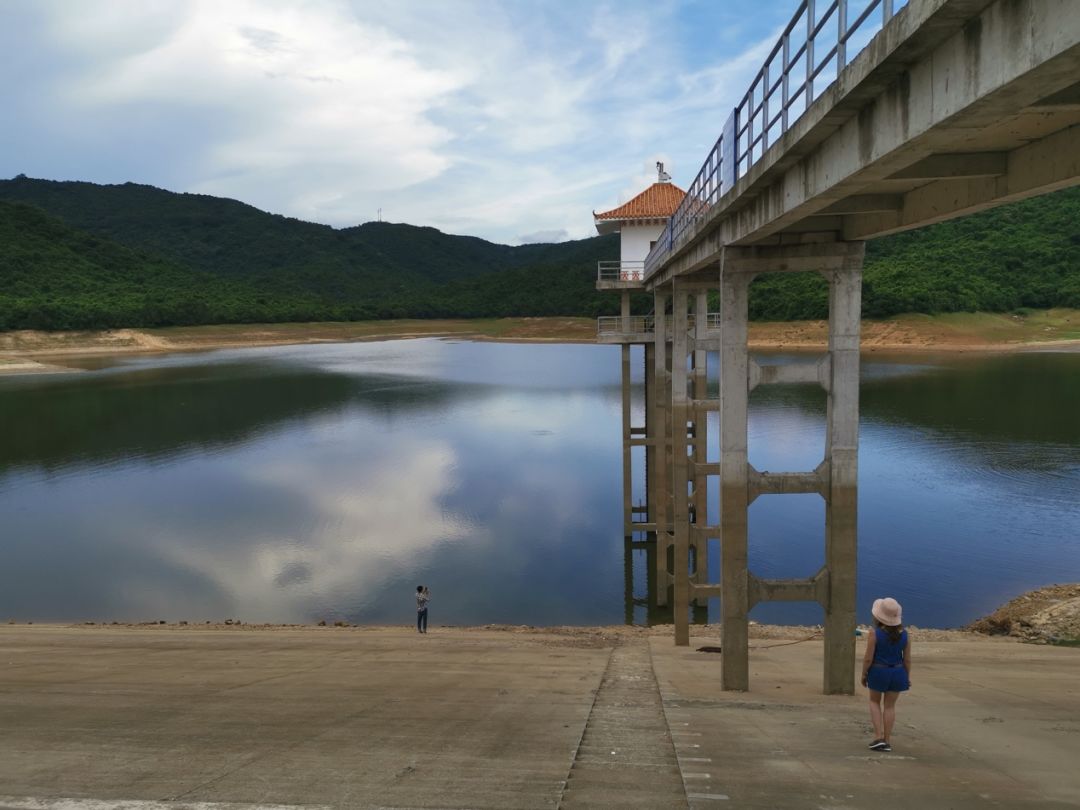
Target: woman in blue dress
{"type": "Point", "coordinates": [886, 670]}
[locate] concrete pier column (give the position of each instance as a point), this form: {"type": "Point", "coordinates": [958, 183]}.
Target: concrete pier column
{"type": "Point", "coordinates": [842, 451]}
{"type": "Point", "coordinates": [627, 434]}
{"type": "Point", "coordinates": [624, 311]}
{"type": "Point", "coordinates": [699, 546]}
{"type": "Point", "coordinates": [650, 434]}
{"type": "Point", "coordinates": [734, 495]}
{"type": "Point", "coordinates": [680, 467]}
{"type": "Point", "coordinates": [662, 470]}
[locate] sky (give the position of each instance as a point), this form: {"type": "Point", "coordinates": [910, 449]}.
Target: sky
{"type": "Point", "coordinates": [511, 120]}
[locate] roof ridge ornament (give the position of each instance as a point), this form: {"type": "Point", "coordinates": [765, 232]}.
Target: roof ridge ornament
{"type": "Point", "coordinates": [661, 175]}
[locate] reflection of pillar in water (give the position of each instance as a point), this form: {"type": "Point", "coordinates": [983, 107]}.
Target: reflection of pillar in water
{"type": "Point", "coordinates": [654, 613]}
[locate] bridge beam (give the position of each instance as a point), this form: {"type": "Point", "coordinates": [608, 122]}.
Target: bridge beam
{"type": "Point", "coordinates": [1046, 165]}
{"type": "Point", "coordinates": [955, 164]}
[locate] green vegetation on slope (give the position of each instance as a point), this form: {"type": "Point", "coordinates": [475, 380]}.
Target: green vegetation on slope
{"type": "Point", "coordinates": [55, 277]}
{"type": "Point", "coordinates": [132, 255]}
{"type": "Point", "coordinates": [1022, 255]}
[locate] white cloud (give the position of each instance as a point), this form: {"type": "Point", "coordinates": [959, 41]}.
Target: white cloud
{"type": "Point", "coordinates": [318, 102]}
{"type": "Point", "coordinates": [496, 119]}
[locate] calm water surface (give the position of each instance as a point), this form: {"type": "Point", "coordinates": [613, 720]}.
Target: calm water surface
{"type": "Point", "coordinates": [325, 482]}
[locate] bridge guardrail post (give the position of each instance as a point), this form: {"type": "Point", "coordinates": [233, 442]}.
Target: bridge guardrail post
{"type": "Point", "coordinates": [728, 153]}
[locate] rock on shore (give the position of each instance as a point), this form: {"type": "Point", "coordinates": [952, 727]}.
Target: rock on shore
{"type": "Point", "coordinates": [1046, 615]}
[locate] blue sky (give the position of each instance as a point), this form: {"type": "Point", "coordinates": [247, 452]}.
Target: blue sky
{"type": "Point", "coordinates": [507, 120]}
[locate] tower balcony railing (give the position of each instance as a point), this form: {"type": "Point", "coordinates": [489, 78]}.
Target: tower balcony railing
{"type": "Point", "coordinates": [817, 44]}
{"type": "Point", "coordinates": [614, 325]}
{"type": "Point", "coordinates": [712, 321]}
{"type": "Point", "coordinates": [620, 271]}
{"type": "Point", "coordinates": [611, 325]}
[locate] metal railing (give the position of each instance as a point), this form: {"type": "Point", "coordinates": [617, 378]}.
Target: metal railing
{"type": "Point", "coordinates": [712, 321]}
{"type": "Point", "coordinates": [813, 49]}
{"type": "Point", "coordinates": [618, 325]}
{"type": "Point", "coordinates": [645, 324]}
{"type": "Point", "coordinates": [620, 270]}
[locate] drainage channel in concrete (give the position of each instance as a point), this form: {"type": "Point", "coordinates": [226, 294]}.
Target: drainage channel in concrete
{"type": "Point", "coordinates": [626, 758]}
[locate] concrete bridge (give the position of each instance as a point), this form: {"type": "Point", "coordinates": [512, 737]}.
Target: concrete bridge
{"type": "Point", "coordinates": [950, 107]}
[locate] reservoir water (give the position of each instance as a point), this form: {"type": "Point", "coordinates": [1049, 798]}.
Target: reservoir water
{"type": "Point", "coordinates": [325, 482]}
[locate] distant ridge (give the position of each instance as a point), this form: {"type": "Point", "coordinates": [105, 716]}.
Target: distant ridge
{"type": "Point", "coordinates": [256, 266]}
{"type": "Point", "coordinates": [77, 255]}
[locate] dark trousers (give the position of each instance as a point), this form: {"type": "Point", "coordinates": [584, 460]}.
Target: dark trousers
{"type": "Point", "coordinates": [421, 620]}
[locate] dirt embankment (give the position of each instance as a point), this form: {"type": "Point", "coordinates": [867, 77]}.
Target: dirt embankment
{"type": "Point", "coordinates": [25, 351]}
{"type": "Point", "coordinates": [1047, 615]}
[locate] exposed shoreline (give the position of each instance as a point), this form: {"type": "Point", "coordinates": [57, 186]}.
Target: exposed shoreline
{"type": "Point", "coordinates": [25, 352]}
{"type": "Point", "coordinates": [582, 633]}
{"type": "Point", "coordinates": [1047, 614]}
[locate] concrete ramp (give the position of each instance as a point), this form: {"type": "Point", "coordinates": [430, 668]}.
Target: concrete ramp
{"type": "Point", "coordinates": [626, 758]}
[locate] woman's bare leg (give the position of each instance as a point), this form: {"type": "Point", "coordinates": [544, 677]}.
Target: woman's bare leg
{"type": "Point", "coordinates": [875, 715]}
{"type": "Point", "coordinates": [889, 713]}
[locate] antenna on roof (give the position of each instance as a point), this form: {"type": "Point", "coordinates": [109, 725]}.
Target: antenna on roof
{"type": "Point", "coordinates": [662, 176]}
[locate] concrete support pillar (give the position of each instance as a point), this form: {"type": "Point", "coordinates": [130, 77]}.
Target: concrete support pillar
{"type": "Point", "coordinates": [662, 473]}
{"type": "Point", "coordinates": [625, 312]}
{"type": "Point", "coordinates": [842, 451]}
{"type": "Point", "coordinates": [734, 493]}
{"type": "Point", "coordinates": [680, 468]}
{"type": "Point", "coordinates": [650, 434]}
{"type": "Point", "coordinates": [627, 470]}
{"type": "Point", "coordinates": [700, 547]}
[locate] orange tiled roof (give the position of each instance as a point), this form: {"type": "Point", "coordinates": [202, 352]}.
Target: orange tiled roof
{"type": "Point", "coordinates": [658, 200]}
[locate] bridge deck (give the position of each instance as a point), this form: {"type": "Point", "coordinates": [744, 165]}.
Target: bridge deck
{"type": "Point", "coordinates": [955, 106]}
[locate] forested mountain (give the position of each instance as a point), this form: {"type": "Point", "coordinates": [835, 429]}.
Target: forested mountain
{"type": "Point", "coordinates": [53, 276]}
{"type": "Point", "coordinates": [239, 264]}
{"type": "Point", "coordinates": [79, 255]}
{"type": "Point", "coordinates": [1025, 254]}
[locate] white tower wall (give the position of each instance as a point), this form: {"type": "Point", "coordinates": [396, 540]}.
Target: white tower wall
{"type": "Point", "coordinates": [635, 240]}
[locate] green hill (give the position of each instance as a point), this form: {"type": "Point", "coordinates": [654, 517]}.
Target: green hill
{"type": "Point", "coordinates": [81, 255]}
{"type": "Point", "coordinates": [252, 266]}
{"type": "Point", "coordinates": [1022, 255]}
{"type": "Point", "coordinates": [55, 277]}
